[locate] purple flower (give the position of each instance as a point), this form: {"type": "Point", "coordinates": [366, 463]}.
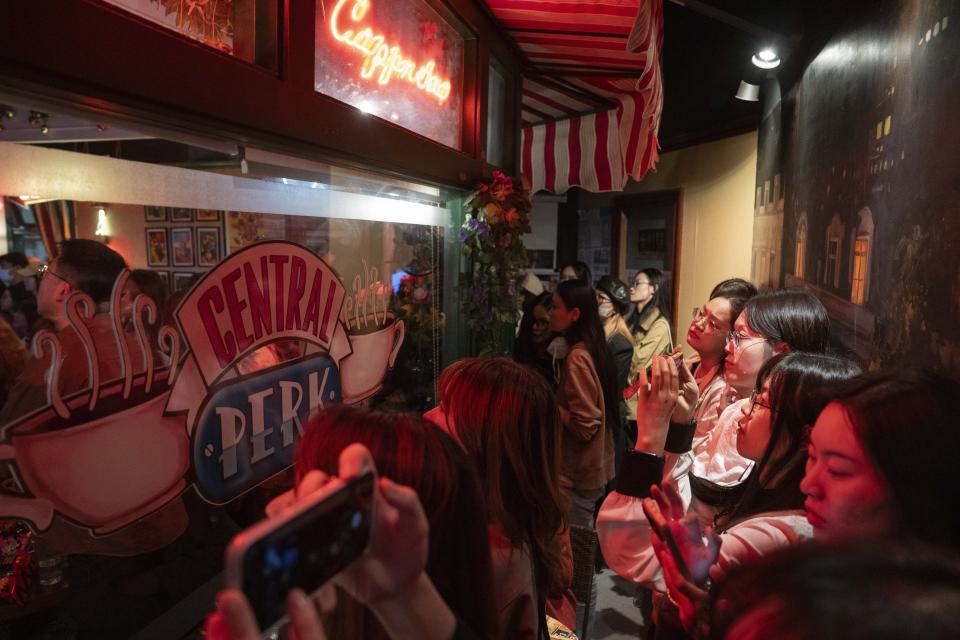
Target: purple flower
{"type": "Point", "coordinates": [483, 229]}
{"type": "Point", "coordinates": [472, 224]}
{"type": "Point", "coordinates": [463, 235]}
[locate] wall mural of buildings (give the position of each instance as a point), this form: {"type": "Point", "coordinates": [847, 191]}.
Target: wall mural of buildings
{"type": "Point", "coordinates": [858, 185]}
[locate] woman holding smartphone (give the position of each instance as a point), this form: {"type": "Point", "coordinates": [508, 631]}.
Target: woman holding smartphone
{"type": "Point", "coordinates": [587, 399]}
{"type": "Point", "coordinates": [409, 584]}
{"type": "Point", "coordinates": [879, 468]}
{"type": "Point", "coordinates": [767, 514]}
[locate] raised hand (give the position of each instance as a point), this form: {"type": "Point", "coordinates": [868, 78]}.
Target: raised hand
{"type": "Point", "coordinates": [688, 398]}
{"type": "Point", "coordinates": [656, 402]}
{"type": "Point", "coordinates": [698, 549]}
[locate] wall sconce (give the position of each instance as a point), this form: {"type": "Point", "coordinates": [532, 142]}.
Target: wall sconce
{"type": "Point", "coordinates": [103, 224]}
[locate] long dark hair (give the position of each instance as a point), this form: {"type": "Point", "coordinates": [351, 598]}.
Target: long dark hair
{"type": "Point", "coordinates": [859, 590]}
{"type": "Point", "coordinates": [656, 303]}
{"type": "Point", "coordinates": [737, 292]}
{"type": "Point", "coordinates": [907, 425]}
{"type": "Point", "coordinates": [801, 385]}
{"type": "Point", "coordinates": [524, 349]}
{"type": "Point", "coordinates": [506, 418]}
{"type": "Point", "coordinates": [794, 317]}
{"type": "Point", "coordinates": [411, 451]}
{"type": "Point", "coordinates": [588, 329]}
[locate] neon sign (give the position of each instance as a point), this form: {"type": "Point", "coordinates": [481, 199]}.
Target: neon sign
{"type": "Point", "coordinates": [382, 59]}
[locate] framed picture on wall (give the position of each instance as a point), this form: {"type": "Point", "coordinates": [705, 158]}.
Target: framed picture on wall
{"type": "Point", "coordinates": [181, 215]}
{"type": "Point", "coordinates": [181, 246]}
{"type": "Point", "coordinates": [208, 215]}
{"type": "Point", "coordinates": [208, 246]}
{"type": "Point", "coordinates": [164, 277]}
{"type": "Point", "coordinates": [182, 281]}
{"type": "Point", "coordinates": [154, 214]}
{"type": "Point", "coordinates": [158, 249]}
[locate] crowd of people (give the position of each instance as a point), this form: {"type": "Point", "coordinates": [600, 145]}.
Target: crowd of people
{"type": "Point", "coordinates": [763, 486]}
{"type": "Point", "coordinates": [768, 486]}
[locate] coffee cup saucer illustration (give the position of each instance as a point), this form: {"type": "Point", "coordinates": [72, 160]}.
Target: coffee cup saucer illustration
{"type": "Point", "coordinates": [104, 456]}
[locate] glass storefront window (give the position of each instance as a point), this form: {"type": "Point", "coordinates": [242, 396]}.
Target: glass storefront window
{"type": "Point", "coordinates": [246, 29]}
{"type": "Point", "coordinates": [289, 285]}
{"type": "Point", "coordinates": [496, 115]}
{"type": "Point", "coordinates": [394, 59]}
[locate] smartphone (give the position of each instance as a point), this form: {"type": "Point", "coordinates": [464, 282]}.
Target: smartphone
{"type": "Point", "coordinates": [677, 356]}
{"type": "Point", "coordinates": [304, 547]}
{"type": "Point", "coordinates": [632, 390]}
{"type": "Point", "coordinates": [662, 530]}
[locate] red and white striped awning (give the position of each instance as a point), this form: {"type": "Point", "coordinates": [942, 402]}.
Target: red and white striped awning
{"type": "Point", "coordinates": [592, 89]}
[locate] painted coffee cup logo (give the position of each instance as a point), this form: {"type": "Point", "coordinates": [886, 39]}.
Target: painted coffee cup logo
{"type": "Point", "coordinates": [375, 348]}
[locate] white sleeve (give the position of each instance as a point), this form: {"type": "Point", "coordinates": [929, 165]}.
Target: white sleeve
{"type": "Point", "coordinates": [760, 536]}
{"type": "Point", "coordinates": [624, 535]}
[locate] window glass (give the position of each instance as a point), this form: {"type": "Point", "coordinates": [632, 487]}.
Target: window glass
{"type": "Point", "coordinates": [398, 60]}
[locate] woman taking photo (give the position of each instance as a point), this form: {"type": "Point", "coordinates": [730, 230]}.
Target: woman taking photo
{"type": "Point", "coordinates": [771, 431]}
{"type": "Point", "coordinates": [587, 399]}
{"type": "Point", "coordinates": [505, 417]}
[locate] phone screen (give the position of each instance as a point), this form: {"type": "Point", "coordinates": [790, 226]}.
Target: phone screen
{"type": "Point", "coordinates": [308, 550]}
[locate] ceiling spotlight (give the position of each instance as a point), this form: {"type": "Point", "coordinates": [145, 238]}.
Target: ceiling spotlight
{"type": "Point", "coordinates": [748, 92]}
{"type": "Point", "coordinates": [766, 59]}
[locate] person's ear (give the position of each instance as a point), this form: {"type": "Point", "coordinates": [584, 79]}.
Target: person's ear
{"type": "Point", "coordinates": [575, 314]}
{"type": "Point", "coordinates": [780, 347]}
{"type": "Point", "coordinates": [62, 291]}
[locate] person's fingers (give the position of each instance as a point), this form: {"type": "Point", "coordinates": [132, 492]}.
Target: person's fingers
{"type": "Point", "coordinates": [236, 611]}
{"type": "Point", "coordinates": [672, 380]}
{"type": "Point", "coordinates": [355, 460]}
{"type": "Point", "coordinates": [660, 501]}
{"type": "Point", "coordinates": [313, 481]}
{"type": "Point", "coordinates": [656, 374]}
{"type": "Point", "coordinates": [642, 379]}
{"type": "Point", "coordinates": [215, 627]}
{"type": "Point", "coordinates": [674, 500]}
{"type": "Point", "coordinates": [684, 373]}
{"type": "Point", "coordinates": [303, 617]}
{"type": "Point", "coordinates": [326, 599]}
{"type": "Point", "coordinates": [281, 503]}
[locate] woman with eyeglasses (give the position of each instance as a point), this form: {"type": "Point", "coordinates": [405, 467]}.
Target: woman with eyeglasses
{"type": "Point", "coordinates": [534, 336]}
{"type": "Point", "coordinates": [765, 514]}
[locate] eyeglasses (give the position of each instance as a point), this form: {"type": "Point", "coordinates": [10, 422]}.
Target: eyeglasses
{"type": "Point", "coordinates": [43, 270]}
{"type": "Point", "coordinates": [755, 402]}
{"type": "Point", "coordinates": [602, 299]}
{"type": "Point", "coordinates": [699, 315]}
{"type": "Point", "coordinates": [738, 338]}
{"type": "Point", "coordinates": [639, 283]}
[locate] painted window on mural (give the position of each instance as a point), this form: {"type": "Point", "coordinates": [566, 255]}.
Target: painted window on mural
{"type": "Point", "coordinates": [800, 259]}
{"type": "Point", "coordinates": [861, 263]}
{"type": "Point", "coordinates": [832, 275]}
{"type": "Point", "coordinates": [394, 59]}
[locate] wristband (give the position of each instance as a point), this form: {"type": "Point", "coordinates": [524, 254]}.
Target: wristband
{"type": "Point", "coordinates": [639, 470]}
{"type": "Point", "coordinates": [680, 436]}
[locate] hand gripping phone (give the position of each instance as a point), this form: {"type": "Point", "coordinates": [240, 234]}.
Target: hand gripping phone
{"type": "Point", "coordinates": [660, 527]}
{"type": "Point", "coordinates": [303, 547]}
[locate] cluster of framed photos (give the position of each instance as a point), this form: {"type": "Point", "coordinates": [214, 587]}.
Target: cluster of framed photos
{"type": "Point", "coordinates": [184, 246]}
{"type": "Point", "coordinates": [177, 280]}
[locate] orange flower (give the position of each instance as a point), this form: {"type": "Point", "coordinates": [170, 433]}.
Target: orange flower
{"type": "Point", "coordinates": [493, 212]}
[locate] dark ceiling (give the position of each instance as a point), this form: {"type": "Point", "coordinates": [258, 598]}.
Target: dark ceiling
{"type": "Point", "coordinates": [705, 59]}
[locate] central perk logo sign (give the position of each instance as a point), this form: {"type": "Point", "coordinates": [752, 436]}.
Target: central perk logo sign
{"type": "Point", "coordinates": [245, 426]}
